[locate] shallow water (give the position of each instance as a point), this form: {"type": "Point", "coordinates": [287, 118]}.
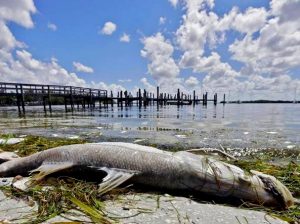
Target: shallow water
{"type": "Point", "coordinates": [232, 125]}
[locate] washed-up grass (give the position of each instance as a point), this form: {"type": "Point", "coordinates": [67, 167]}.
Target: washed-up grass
{"type": "Point", "coordinates": [68, 193]}
{"type": "Point", "coordinates": [288, 174]}
{"type": "Point", "coordinates": [63, 195]}
{"type": "Point", "coordinates": [33, 144]}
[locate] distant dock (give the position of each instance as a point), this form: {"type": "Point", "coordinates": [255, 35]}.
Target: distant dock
{"type": "Point", "coordinates": [21, 95]}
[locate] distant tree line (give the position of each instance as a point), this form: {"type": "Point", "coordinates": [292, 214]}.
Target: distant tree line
{"type": "Point", "coordinates": [29, 99]}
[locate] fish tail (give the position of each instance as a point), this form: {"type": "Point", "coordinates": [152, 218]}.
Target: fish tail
{"type": "Point", "coordinates": [19, 166]}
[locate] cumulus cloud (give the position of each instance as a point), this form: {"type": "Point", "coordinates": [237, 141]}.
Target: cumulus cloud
{"type": "Point", "coordinates": [250, 21]}
{"type": "Point", "coordinates": [52, 26]}
{"type": "Point", "coordinates": [124, 80]}
{"type": "Point", "coordinates": [148, 86]}
{"type": "Point", "coordinates": [277, 48]}
{"type": "Point", "coordinates": [192, 81]}
{"type": "Point", "coordinates": [267, 46]}
{"type": "Point", "coordinates": [162, 20]}
{"type": "Point", "coordinates": [24, 68]}
{"type": "Point", "coordinates": [108, 28]}
{"type": "Point", "coordinates": [159, 52]}
{"type": "Point", "coordinates": [19, 65]}
{"type": "Point", "coordinates": [18, 12]}
{"type": "Point", "coordinates": [173, 3]}
{"type": "Point", "coordinates": [82, 68]}
{"type": "Point", "coordinates": [109, 87]}
{"type": "Point", "coordinates": [125, 38]}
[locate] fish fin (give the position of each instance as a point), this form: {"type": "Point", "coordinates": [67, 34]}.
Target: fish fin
{"type": "Point", "coordinates": [114, 178]}
{"type": "Point", "coordinates": [48, 168]}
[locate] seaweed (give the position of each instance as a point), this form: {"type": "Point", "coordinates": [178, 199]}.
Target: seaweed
{"type": "Point", "coordinates": [33, 144]}
{"type": "Point", "coordinates": [288, 174]}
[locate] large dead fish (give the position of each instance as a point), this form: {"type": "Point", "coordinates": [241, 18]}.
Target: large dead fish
{"type": "Point", "coordinates": [149, 166]}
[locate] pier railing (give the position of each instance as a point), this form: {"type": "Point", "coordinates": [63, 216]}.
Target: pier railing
{"type": "Point", "coordinates": [55, 90]}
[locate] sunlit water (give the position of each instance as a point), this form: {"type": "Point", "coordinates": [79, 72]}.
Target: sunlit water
{"type": "Point", "coordinates": [232, 125]}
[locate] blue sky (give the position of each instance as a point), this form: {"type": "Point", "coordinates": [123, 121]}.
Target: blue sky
{"type": "Point", "coordinates": [77, 36]}
{"type": "Point", "coordinates": [199, 44]}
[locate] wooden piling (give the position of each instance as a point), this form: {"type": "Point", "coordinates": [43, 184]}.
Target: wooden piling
{"type": "Point", "coordinates": [49, 99]}
{"type": "Point", "coordinates": [71, 98]}
{"type": "Point", "coordinates": [111, 101]}
{"type": "Point", "coordinates": [18, 99]}
{"type": "Point", "coordinates": [44, 99]}
{"type": "Point", "coordinates": [157, 95]}
{"type": "Point", "coordinates": [178, 97]}
{"type": "Point", "coordinates": [121, 98]}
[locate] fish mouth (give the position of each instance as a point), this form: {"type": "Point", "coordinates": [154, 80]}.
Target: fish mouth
{"type": "Point", "coordinates": [280, 193]}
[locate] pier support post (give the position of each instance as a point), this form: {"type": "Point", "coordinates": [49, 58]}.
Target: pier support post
{"type": "Point", "coordinates": [49, 99]}
{"type": "Point", "coordinates": [157, 95]}
{"type": "Point", "coordinates": [194, 97]}
{"type": "Point", "coordinates": [18, 99]}
{"type": "Point", "coordinates": [178, 97]}
{"type": "Point", "coordinates": [121, 99]}
{"type": "Point", "coordinates": [22, 99]}
{"type": "Point", "coordinates": [71, 98]}
{"type": "Point", "coordinates": [44, 99]}
{"type": "Point", "coordinates": [112, 100]}
{"type": "Point", "coordinates": [140, 97]}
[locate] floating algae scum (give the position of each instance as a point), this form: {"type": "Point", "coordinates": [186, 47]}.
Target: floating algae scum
{"type": "Point", "coordinates": [67, 193]}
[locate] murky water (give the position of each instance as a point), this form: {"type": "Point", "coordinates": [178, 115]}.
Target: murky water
{"type": "Point", "coordinates": [232, 125]}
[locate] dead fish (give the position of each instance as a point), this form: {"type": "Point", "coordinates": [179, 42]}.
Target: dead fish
{"type": "Point", "coordinates": [182, 171]}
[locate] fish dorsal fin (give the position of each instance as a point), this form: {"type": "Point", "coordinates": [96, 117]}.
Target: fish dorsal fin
{"type": "Point", "coordinates": [114, 178]}
{"type": "Point", "coordinates": [48, 168]}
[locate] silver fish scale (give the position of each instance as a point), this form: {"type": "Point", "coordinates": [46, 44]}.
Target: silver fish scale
{"type": "Point", "coordinates": [156, 169]}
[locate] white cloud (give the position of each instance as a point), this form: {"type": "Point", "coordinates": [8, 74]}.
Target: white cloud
{"type": "Point", "coordinates": [52, 26]}
{"type": "Point", "coordinates": [125, 38]}
{"type": "Point", "coordinates": [24, 68]}
{"type": "Point", "coordinates": [109, 87]}
{"type": "Point", "coordinates": [17, 11]}
{"type": "Point", "coordinates": [250, 21]}
{"type": "Point", "coordinates": [124, 80]}
{"type": "Point", "coordinates": [277, 48]}
{"type": "Point", "coordinates": [173, 3]}
{"type": "Point", "coordinates": [159, 52]}
{"type": "Point", "coordinates": [108, 28]}
{"type": "Point", "coordinates": [192, 81]}
{"type": "Point", "coordinates": [162, 20]}
{"type": "Point", "coordinates": [82, 68]}
{"type": "Point", "coordinates": [7, 39]}
{"type": "Point", "coordinates": [18, 65]}
{"type": "Point", "coordinates": [149, 87]}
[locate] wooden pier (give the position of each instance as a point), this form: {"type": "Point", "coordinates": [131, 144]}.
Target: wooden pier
{"type": "Point", "coordinates": [72, 97]}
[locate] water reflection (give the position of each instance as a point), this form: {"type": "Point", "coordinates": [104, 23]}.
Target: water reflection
{"type": "Point", "coordinates": [202, 125]}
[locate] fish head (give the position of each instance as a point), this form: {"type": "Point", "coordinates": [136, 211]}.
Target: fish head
{"type": "Point", "coordinates": [277, 193]}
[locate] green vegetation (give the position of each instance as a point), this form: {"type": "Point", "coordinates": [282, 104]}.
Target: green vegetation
{"type": "Point", "coordinates": [289, 175]}
{"type": "Point", "coordinates": [68, 193]}
{"type": "Point", "coordinates": [33, 144]}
